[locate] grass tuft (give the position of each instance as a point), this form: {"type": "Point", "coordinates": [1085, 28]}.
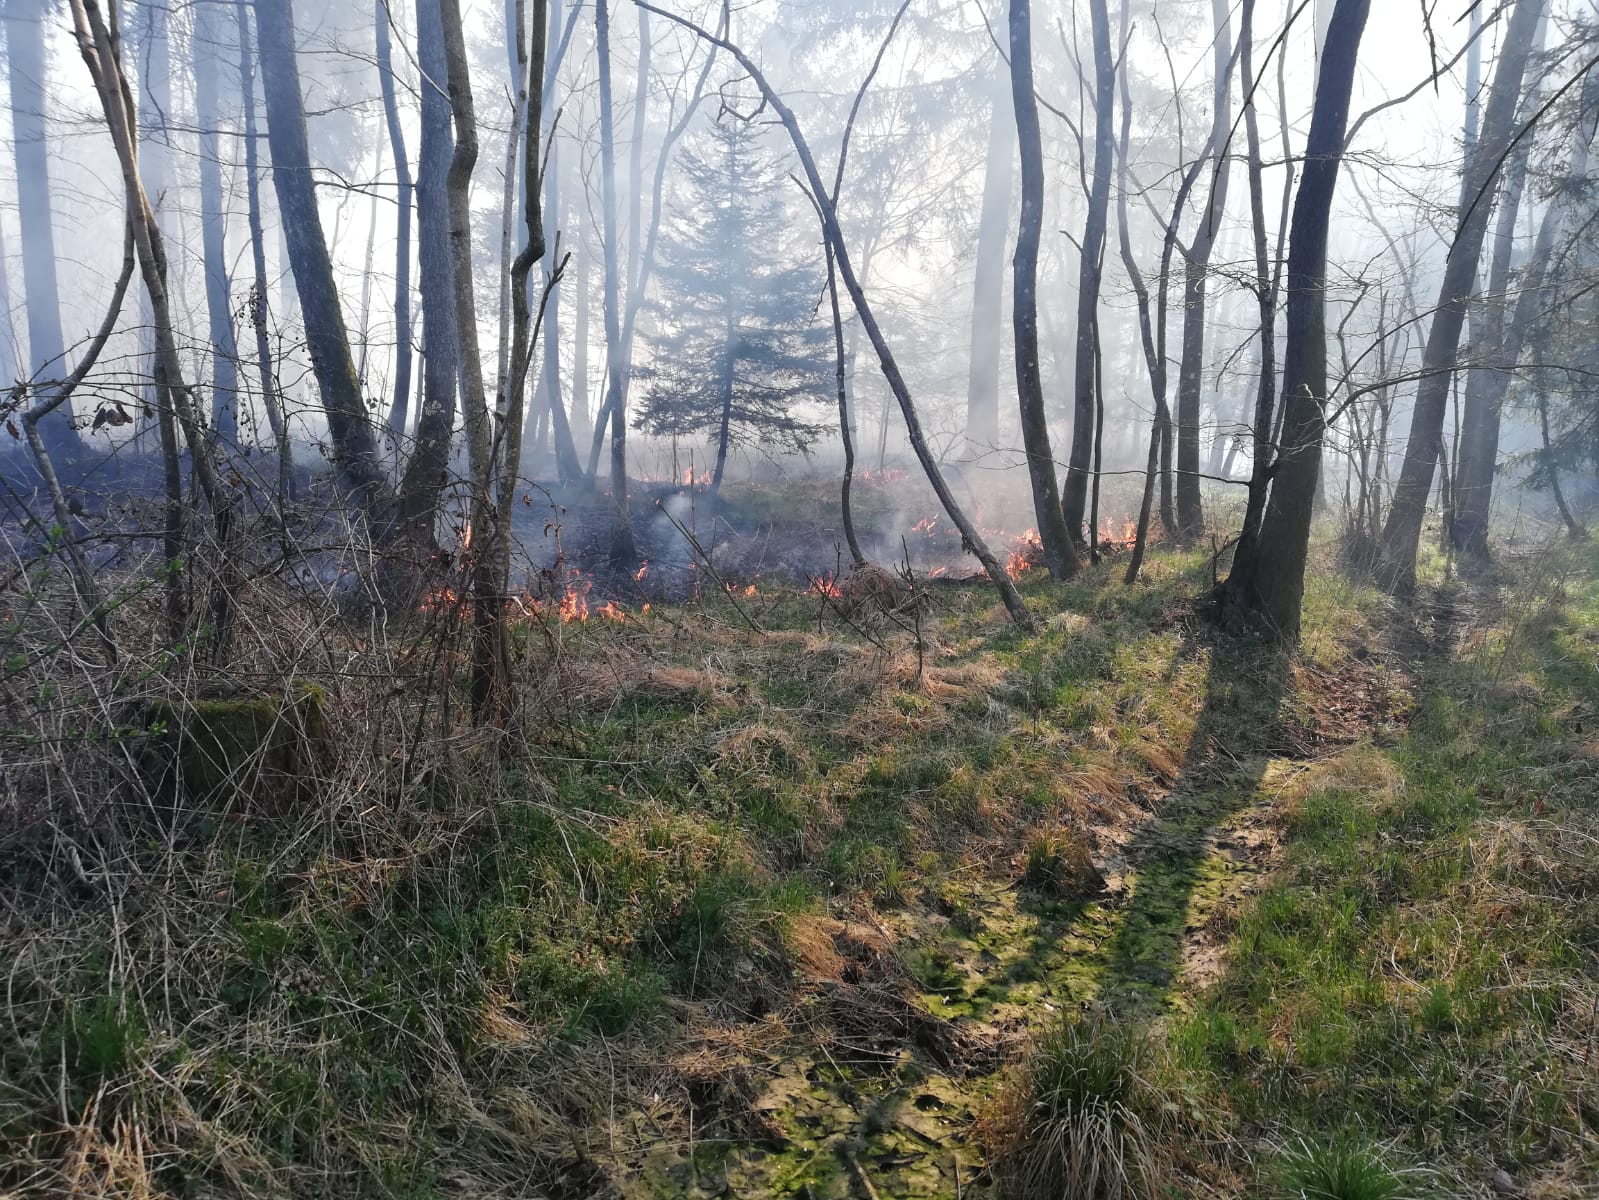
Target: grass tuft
{"type": "Point", "coordinates": [1346, 1167]}
{"type": "Point", "coordinates": [1079, 1121]}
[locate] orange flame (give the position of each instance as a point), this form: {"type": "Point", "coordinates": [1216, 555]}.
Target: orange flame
{"type": "Point", "coordinates": [827, 586]}
{"type": "Point", "coordinates": [638, 576]}
{"type": "Point", "coordinates": [438, 600]}
{"type": "Point", "coordinates": [574, 604]}
{"type": "Point", "coordinates": [1027, 552]}
{"type": "Point", "coordinates": [925, 525]}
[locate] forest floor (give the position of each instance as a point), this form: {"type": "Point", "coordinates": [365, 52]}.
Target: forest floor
{"type": "Point", "coordinates": [782, 910]}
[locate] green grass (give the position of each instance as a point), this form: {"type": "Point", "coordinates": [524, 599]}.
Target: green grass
{"type": "Point", "coordinates": [799, 867]}
{"type": "Point", "coordinates": [1420, 963]}
{"type": "Point", "coordinates": [1346, 1167]}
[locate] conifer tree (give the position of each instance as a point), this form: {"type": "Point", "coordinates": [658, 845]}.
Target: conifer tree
{"type": "Point", "coordinates": [736, 350]}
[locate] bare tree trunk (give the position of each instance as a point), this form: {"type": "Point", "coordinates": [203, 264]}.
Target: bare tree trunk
{"type": "Point", "coordinates": [511, 416]}
{"type": "Point", "coordinates": [271, 396]}
{"type": "Point", "coordinates": [218, 288]}
{"type": "Point", "coordinates": [399, 414]}
{"type": "Point", "coordinates": [1091, 260]}
{"type": "Point", "coordinates": [1270, 584]}
{"type": "Point", "coordinates": [1191, 371]}
{"type": "Point", "coordinates": [1477, 452]}
{"type": "Point", "coordinates": [490, 643]}
{"type": "Point", "coordinates": [89, 597]}
{"type": "Point", "coordinates": [1261, 464]}
{"type": "Point", "coordinates": [423, 482]}
{"type": "Point", "coordinates": [856, 557]}
{"type": "Point", "coordinates": [582, 326]}
{"type": "Point", "coordinates": [1152, 332]}
{"type": "Point", "coordinates": [28, 71]}
{"type": "Point", "coordinates": [1059, 555]}
{"type": "Point", "coordinates": [99, 48]}
{"type": "Point", "coordinates": [355, 449]}
{"type": "Point", "coordinates": [1402, 533]}
{"type": "Point", "coordinates": [623, 549]}
{"type": "Point", "coordinates": [988, 316]}
{"type": "Point", "coordinates": [549, 409]}
{"type": "Point", "coordinates": [8, 331]}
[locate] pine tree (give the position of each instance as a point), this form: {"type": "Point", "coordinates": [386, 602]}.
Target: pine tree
{"type": "Point", "coordinates": [736, 352]}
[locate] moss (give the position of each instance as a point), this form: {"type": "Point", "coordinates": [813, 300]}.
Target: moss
{"type": "Point", "coordinates": [211, 749]}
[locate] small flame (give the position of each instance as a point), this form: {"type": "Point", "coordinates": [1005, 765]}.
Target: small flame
{"type": "Point", "coordinates": [439, 600]}
{"type": "Point", "coordinates": [638, 576]}
{"type": "Point", "coordinates": [827, 586]}
{"type": "Point", "coordinates": [611, 612]}
{"type": "Point", "coordinates": [925, 525]}
{"type": "Point", "coordinates": [574, 604]}
{"type": "Point", "coordinates": [1027, 552]}
{"type": "Point", "coordinates": [750, 590]}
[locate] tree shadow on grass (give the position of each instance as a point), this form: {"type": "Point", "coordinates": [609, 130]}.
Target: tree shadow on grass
{"type": "Point", "coordinates": [1172, 856]}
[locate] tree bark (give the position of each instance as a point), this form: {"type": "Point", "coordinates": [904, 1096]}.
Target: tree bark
{"type": "Point", "coordinates": [1269, 585]}
{"type": "Point", "coordinates": [1059, 554]}
{"type": "Point", "coordinates": [623, 549]}
{"type": "Point", "coordinates": [1191, 371]}
{"type": "Point", "coordinates": [1266, 296]}
{"type": "Point", "coordinates": [1477, 454]}
{"type": "Point", "coordinates": [355, 448]}
{"type": "Point", "coordinates": [549, 399]}
{"type": "Point", "coordinates": [271, 395]}
{"type": "Point", "coordinates": [99, 48]}
{"type": "Point", "coordinates": [1091, 260]}
{"type": "Point", "coordinates": [205, 46]}
{"type": "Point", "coordinates": [422, 485]}
{"type": "Point", "coordinates": [399, 407]}
{"type": "Point", "coordinates": [490, 642]}
{"type": "Point", "coordinates": [28, 71]}
{"type": "Point", "coordinates": [1402, 533]}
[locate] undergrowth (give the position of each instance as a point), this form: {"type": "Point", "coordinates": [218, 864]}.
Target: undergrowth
{"type": "Point", "coordinates": [776, 908]}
